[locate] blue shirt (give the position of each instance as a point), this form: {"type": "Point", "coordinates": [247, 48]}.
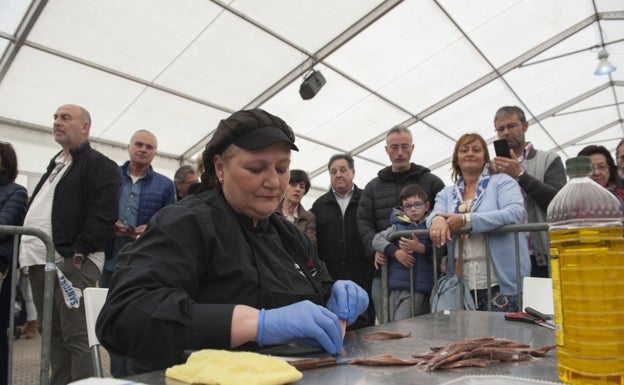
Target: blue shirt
{"type": "Point", "coordinates": [130, 194]}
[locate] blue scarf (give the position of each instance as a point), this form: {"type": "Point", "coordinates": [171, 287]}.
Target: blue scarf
{"type": "Point", "coordinates": [458, 192]}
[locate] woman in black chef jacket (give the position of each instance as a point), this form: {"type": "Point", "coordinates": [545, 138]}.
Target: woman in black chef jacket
{"type": "Point", "coordinates": [220, 269]}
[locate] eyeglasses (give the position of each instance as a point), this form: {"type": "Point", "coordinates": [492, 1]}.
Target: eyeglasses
{"type": "Point", "coordinates": [56, 171]}
{"type": "Point", "coordinates": [404, 147]}
{"type": "Point", "coordinates": [415, 205]}
{"type": "Point", "coordinates": [509, 126]}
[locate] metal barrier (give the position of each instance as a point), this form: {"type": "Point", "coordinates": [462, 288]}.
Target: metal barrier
{"type": "Point", "coordinates": [48, 294]}
{"type": "Point", "coordinates": [518, 228]}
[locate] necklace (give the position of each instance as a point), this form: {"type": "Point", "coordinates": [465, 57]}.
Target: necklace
{"type": "Point", "coordinates": [464, 206]}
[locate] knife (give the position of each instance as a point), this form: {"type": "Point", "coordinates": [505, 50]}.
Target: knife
{"type": "Point", "coordinates": [546, 318]}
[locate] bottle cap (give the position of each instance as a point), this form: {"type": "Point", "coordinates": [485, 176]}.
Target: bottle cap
{"type": "Point", "coordinates": [578, 166]}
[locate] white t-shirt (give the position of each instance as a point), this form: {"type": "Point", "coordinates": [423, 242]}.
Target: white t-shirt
{"type": "Point", "coordinates": [39, 216]}
{"type": "Point", "coordinates": [475, 266]}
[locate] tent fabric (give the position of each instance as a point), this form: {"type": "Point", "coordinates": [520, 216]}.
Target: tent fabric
{"type": "Point", "coordinates": [441, 67]}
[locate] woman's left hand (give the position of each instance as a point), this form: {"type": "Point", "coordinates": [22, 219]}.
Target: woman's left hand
{"type": "Point", "coordinates": [455, 222]}
{"type": "Point", "coordinates": [347, 300]}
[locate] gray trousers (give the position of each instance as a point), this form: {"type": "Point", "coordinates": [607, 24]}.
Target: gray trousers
{"type": "Point", "coordinates": [400, 307]}
{"type": "Point", "coordinates": [70, 357]}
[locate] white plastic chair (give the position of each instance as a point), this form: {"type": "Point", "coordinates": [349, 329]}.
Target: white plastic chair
{"type": "Point", "coordinates": [94, 298]}
{"type": "Point", "coordinates": [538, 294]}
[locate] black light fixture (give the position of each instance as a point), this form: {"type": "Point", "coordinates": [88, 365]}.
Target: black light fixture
{"type": "Point", "coordinates": [311, 85]}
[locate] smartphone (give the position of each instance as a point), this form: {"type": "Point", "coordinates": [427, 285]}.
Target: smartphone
{"type": "Point", "coordinates": [501, 147]}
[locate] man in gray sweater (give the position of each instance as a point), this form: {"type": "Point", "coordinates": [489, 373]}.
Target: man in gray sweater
{"type": "Point", "coordinates": [540, 174]}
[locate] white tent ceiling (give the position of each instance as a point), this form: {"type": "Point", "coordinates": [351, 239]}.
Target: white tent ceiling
{"type": "Point", "coordinates": [442, 67]}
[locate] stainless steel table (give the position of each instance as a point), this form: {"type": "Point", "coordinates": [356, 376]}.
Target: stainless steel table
{"type": "Point", "coordinates": [429, 330]}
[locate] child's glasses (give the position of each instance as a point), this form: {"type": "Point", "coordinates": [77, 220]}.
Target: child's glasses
{"type": "Point", "coordinates": [414, 205]}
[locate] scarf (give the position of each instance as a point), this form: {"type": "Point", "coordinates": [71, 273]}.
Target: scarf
{"type": "Point", "coordinates": [458, 192]}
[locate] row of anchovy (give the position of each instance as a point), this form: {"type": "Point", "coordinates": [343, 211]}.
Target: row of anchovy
{"type": "Point", "coordinates": [479, 352]}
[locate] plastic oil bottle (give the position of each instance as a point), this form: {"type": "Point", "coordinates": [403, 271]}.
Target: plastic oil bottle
{"type": "Point", "coordinates": [587, 266]}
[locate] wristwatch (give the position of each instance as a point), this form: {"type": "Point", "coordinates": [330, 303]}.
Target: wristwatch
{"type": "Point", "coordinates": [521, 173]}
{"type": "Point", "coordinates": [78, 257]}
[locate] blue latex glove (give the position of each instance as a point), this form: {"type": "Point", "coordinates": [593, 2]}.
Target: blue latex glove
{"type": "Point", "coordinates": [347, 300]}
{"type": "Point", "coordinates": [303, 322]}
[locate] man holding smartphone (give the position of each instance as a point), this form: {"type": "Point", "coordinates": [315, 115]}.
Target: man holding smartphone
{"type": "Point", "coordinates": [540, 174]}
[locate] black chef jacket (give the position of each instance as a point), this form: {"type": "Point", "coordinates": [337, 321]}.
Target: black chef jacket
{"type": "Point", "coordinates": [175, 287]}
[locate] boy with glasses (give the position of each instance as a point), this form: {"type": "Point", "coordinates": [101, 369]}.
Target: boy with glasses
{"type": "Point", "coordinates": [406, 254]}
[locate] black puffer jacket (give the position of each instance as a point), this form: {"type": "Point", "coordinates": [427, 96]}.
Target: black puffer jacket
{"type": "Point", "coordinates": [13, 198]}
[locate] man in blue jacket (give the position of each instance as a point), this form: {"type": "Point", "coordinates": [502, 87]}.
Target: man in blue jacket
{"type": "Point", "coordinates": [142, 193]}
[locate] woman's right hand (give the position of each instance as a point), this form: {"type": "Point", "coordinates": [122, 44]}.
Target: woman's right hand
{"type": "Point", "coordinates": [303, 322]}
{"type": "Point", "coordinates": [439, 231]}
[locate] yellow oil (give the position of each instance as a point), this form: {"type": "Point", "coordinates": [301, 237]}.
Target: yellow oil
{"type": "Point", "coordinates": [587, 267]}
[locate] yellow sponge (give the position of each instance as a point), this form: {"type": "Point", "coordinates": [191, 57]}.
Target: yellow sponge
{"type": "Point", "coordinates": [222, 367]}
